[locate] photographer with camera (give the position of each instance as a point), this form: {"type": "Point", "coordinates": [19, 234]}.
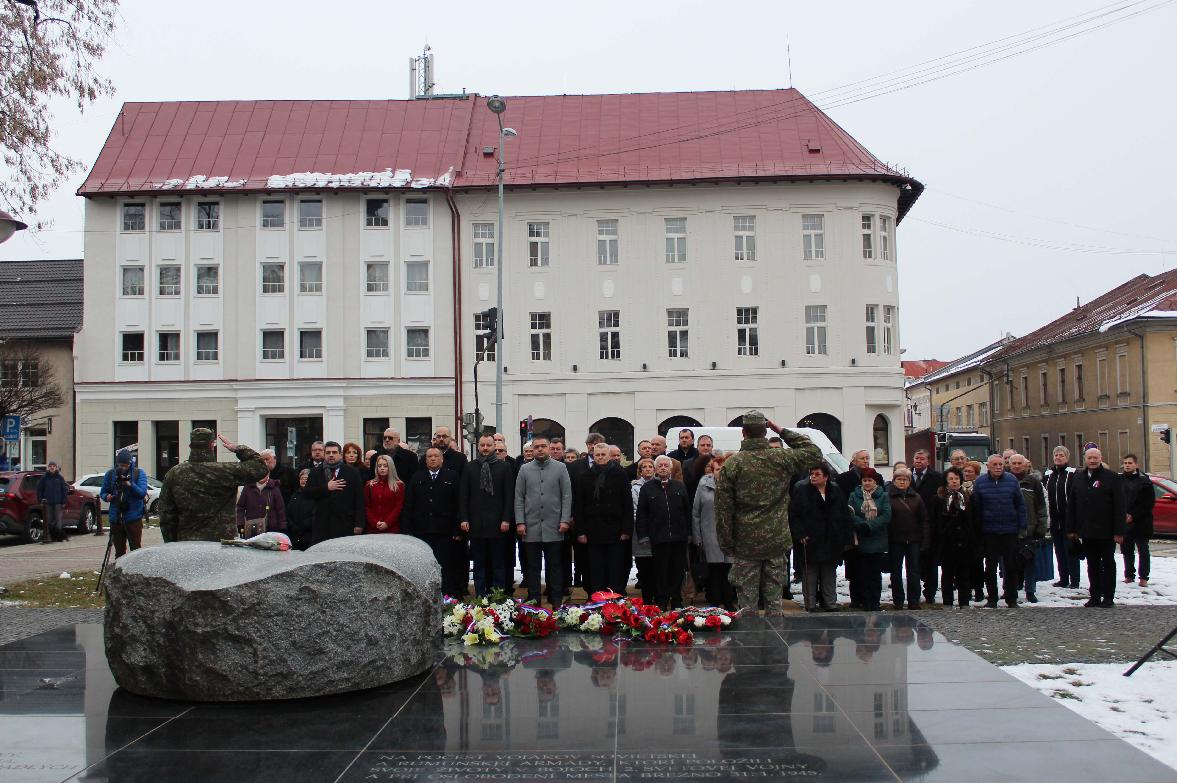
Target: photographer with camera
{"type": "Point", "coordinates": [124, 488]}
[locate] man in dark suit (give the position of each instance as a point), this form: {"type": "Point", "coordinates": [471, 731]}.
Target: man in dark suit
{"type": "Point", "coordinates": [574, 551]}
{"type": "Point", "coordinates": [1095, 515]}
{"type": "Point", "coordinates": [431, 514]}
{"type": "Point", "coordinates": [403, 460]}
{"type": "Point", "coordinates": [486, 510]}
{"type": "Point", "coordinates": [338, 492]}
{"type": "Point", "coordinates": [847, 482]}
{"type": "Point", "coordinates": [316, 458]}
{"type": "Point", "coordinates": [926, 481]}
{"type": "Point", "coordinates": [450, 457]}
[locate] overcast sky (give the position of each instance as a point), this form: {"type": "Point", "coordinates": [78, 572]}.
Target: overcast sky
{"type": "Point", "coordinates": [1068, 145]}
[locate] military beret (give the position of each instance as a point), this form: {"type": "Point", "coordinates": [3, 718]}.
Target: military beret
{"type": "Point", "coordinates": [754, 417]}
{"type": "Point", "coordinates": [202, 437]}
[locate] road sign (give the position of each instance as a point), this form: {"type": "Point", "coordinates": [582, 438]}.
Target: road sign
{"type": "Point", "coordinates": [1160, 427]}
{"type": "Point", "coordinates": [10, 428]}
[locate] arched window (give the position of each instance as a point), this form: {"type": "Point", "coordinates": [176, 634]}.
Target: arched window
{"type": "Point", "coordinates": [617, 432]}
{"type": "Point", "coordinates": [882, 439]}
{"type": "Point", "coordinates": [548, 428]}
{"type": "Point", "coordinates": [675, 422]}
{"type": "Point", "coordinates": [828, 425]}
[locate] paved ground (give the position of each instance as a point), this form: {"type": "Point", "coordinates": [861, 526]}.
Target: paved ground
{"type": "Point", "coordinates": [20, 561]}
{"type": "Point", "coordinates": [19, 623]}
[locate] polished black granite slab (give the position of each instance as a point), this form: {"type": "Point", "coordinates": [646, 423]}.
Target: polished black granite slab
{"type": "Point", "coordinates": [828, 697]}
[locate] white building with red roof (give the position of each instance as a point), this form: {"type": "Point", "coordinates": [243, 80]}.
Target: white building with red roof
{"type": "Point", "coordinates": [291, 269]}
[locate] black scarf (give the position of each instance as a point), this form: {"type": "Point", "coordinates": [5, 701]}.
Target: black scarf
{"type": "Point", "coordinates": [601, 472]}
{"type": "Point", "coordinates": [485, 482]}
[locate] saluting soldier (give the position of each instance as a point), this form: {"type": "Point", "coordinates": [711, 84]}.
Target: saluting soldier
{"type": "Point", "coordinates": [752, 509]}
{"type": "Point", "coordinates": [199, 497]}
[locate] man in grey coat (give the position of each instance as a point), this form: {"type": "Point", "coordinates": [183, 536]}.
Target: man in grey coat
{"type": "Point", "coordinates": [543, 514]}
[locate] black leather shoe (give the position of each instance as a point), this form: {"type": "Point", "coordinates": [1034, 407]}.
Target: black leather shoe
{"type": "Point", "coordinates": [1093, 603]}
{"type": "Point", "coordinates": [991, 604]}
{"type": "Point", "coordinates": [1032, 598]}
{"type": "Point", "coordinates": [1107, 604]}
{"type": "Point", "coordinates": [1059, 584]}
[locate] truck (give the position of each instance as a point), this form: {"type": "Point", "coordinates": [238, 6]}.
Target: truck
{"type": "Point", "coordinates": [977, 445]}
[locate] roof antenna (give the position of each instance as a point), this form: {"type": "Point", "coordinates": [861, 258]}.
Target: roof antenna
{"type": "Point", "coordinates": [789, 58]}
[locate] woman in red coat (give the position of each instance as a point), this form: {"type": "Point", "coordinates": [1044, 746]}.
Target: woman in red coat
{"type": "Point", "coordinates": [384, 496]}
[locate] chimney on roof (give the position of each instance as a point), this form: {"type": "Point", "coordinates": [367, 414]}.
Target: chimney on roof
{"type": "Point", "coordinates": [421, 74]}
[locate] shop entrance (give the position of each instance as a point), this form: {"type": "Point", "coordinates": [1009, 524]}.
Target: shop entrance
{"type": "Point", "coordinates": [291, 439]}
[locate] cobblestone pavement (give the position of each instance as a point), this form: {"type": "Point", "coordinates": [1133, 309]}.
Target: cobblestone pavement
{"type": "Point", "coordinates": [1063, 635]}
{"type": "Point", "coordinates": [19, 623]}
{"type": "Point", "coordinates": [20, 561]}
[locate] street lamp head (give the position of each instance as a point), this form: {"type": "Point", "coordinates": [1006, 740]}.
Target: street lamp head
{"type": "Point", "coordinates": [510, 133]}
{"type": "Point", "coordinates": [9, 226]}
{"type": "Point", "coordinates": [496, 104]}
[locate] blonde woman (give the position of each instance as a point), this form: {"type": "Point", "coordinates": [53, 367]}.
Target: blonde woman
{"type": "Point", "coordinates": [384, 497]}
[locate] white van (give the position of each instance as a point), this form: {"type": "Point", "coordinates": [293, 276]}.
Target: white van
{"type": "Point", "coordinates": [727, 439]}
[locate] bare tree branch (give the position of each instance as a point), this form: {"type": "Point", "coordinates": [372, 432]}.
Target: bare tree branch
{"type": "Point", "coordinates": [28, 383]}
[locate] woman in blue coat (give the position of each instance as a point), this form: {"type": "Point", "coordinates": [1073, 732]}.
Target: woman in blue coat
{"type": "Point", "coordinates": [872, 517]}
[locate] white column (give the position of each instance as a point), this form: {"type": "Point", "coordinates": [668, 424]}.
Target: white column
{"type": "Point", "coordinates": [334, 426]}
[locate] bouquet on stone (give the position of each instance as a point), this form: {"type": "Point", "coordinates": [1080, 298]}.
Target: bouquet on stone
{"type": "Point", "coordinates": [276, 542]}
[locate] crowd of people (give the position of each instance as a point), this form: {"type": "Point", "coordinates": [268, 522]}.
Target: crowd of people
{"type": "Point", "coordinates": [695, 520]}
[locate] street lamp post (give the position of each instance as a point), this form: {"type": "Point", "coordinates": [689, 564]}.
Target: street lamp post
{"type": "Point", "coordinates": [9, 226]}
{"type": "Point", "coordinates": [498, 106]}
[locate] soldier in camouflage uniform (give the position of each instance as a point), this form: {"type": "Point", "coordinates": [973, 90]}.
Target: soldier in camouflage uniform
{"type": "Point", "coordinates": [752, 510]}
{"type": "Point", "coordinates": [199, 497]}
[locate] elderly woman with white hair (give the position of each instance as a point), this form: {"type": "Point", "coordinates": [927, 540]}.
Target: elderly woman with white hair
{"type": "Point", "coordinates": [664, 517]}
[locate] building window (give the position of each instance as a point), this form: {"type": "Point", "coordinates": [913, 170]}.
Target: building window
{"type": "Point", "coordinates": [970, 421]}
{"type": "Point", "coordinates": [983, 414]}
{"type": "Point", "coordinates": [1101, 375]}
{"type": "Point", "coordinates": [20, 374]}
{"type": "Point", "coordinates": [418, 432]}
{"type": "Point", "coordinates": [376, 277]}
{"type": "Point", "coordinates": [417, 342]}
{"type": "Point", "coordinates": [134, 217]}
{"type": "Point", "coordinates": [747, 331]}
{"type": "Point", "coordinates": [170, 216]}
{"type": "Point", "coordinates": [273, 345]}
{"type": "Point", "coordinates": [133, 284]}
{"type": "Point", "coordinates": [126, 433]}
{"type": "Point", "coordinates": [541, 337]}
{"type": "Point", "coordinates": [815, 330]}
{"type": "Point", "coordinates": [1043, 391]}
{"type": "Point", "coordinates": [484, 343]}
{"type": "Point", "coordinates": [273, 214]}
{"type": "Point", "coordinates": [676, 240]}
{"type": "Point", "coordinates": [273, 278]}
{"type": "Point", "coordinates": [609, 333]}
{"type": "Point", "coordinates": [310, 213]}
{"type": "Point", "coordinates": [376, 213]}
{"type": "Point", "coordinates": [376, 343]}
{"type": "Point", "coordinates": [538, 244]}
{"type": "Point", "coordinates": [417, 212]}
{"type": "Point", "coordinates": [207, 347]}
{"type": "Point", "coordinates": [1079, 444]}
{"type": "Point", "coordinates": [132, 348]}
{"type": "Point", "coordinates": [884, 238]}
{"type": "Point", "coordinates": [169, 347]}
{"type": "Point", "coordinates": [1062, 385]}
{"type": "Point", "coordinates": [374, 433]}
{"type": "Point", "coordinates": [208, 280]}
{"type": "Point", "coordinates": [417, 277]}
{"type": "Point", "coordinates": [1025, 389]}
{"type": "Point", "coordinates": [959, 418]}
{"type": "Point", "coordinates": [310, 277]}
{"type": "Point", "coordinates": [868, 236]}
{"type": "Point", "coordinates": [1046, 460]}
{"type": "Point", "coordinates": [745, 228]}
{"type": "Point", "coordinates": [882, 440]}
{"type": "Point", "coordinates": [169, 280]}
{"type": "Point", "coordinates": [872, 320]}
{"type": "Point", "coordinates": [889, 331]}
{"type": "Point", "coordinates": [607, 237]}
{"type": "Point", "coordinates": [208, 216]}
{"type": "Point", "coordinates": [484, 245]}
{"type": "Point", "coordinates": [1123, 443]}
{"type": "Point", "coordinates": [677, 321]}
{"type": "Point", "coordinates": [813, 237]}
{"type": "Point", "coordinates": [1122, 373]}
{"type": "Point", "coordinates": [1079, 395]}
{"type": "Point", "coordinates": [1025, 446]}
{"type": "Point", "coordinates": [310, 344]}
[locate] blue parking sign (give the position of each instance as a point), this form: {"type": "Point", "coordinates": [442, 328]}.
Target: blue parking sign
{"type": "Point", "coordinates": [10, 428]}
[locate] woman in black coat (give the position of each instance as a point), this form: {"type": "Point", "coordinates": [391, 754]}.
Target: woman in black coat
{"type": "Point", "coordinates": [956, 519]}
{"type": "Point", "coordinates": [300, 513]}
{"type": "Point", "coordinates": [602, 508]}
{"type": "Point", "coordinates": [819, 519]}
{"type": "Point", "coordinates": [664, 517]}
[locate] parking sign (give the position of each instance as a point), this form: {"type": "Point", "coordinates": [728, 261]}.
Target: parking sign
{"type": "Point", "coordinates": [10, 428]}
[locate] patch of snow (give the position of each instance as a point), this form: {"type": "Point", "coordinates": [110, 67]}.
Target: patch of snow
{"type": "Point", "coordinates": [362, 179]}
{"type": "Point", "coordinates": [1133, 316]}
{"type": "Point", "coordinates": [1138, 709]}
{"type": "Point", "coordinates": [201, 182]}
{"type": "Point", "coordinates": [65, 575]}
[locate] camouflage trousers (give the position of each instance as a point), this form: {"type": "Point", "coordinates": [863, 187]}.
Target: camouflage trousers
{"type": "Point", "coordinates": [749, 577]}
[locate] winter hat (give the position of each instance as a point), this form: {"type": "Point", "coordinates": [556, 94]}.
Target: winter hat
{"type": "Point", "coordinates": [124, 457]}
{"type": "Point", "coordinates": [201, 437]}
{"type": "Point", "coordinates": [871, 473]}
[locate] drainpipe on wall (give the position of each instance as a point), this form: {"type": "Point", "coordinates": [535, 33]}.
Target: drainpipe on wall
{"type": "Point", "coordinates": [992, 409]}
{"type": "Point", "coordinates": [1146, 447]}
{"type": "Point", "coordinates": [456, 242]}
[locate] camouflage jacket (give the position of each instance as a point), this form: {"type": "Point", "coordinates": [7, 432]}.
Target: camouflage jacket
{"type": "Point", "coordinates": [752, 496]}
{"type": "Point", "coordinates": [199, 497]}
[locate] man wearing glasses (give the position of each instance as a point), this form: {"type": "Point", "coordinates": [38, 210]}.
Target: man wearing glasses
{"type": "Point", "coordinates": [451, 458]}
{"type": "Point", "coordinates": [403, 460]}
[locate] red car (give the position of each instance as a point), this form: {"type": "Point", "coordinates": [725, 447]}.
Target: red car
{"type": "Point", "coordinates": [1164, 513]}
{"type": "Point", "coordinates": [20, 513]}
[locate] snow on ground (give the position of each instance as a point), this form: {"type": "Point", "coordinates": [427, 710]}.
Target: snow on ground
{"type": "Point", "coordinates": [1139, 709]}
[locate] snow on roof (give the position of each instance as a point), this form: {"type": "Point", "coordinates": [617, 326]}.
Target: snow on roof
{"type": "Point", "coordinates": [967, 362]}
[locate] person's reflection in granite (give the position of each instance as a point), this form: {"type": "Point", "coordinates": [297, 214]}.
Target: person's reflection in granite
{"type": "Point", "coordinates": [903, 630]}
{"type": "Point", "coordinates": [493, 708]}
{"type": "Point", "coordinates": [755, 699]}
{"type": "Point", "coordinates": [925, 638]}
{"type": "Point", "coordinates": [545, 659]}
{"type": "Point", "coordinates": [869, 637]}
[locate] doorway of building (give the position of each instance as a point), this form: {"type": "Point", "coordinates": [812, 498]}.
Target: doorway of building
{"type": "Point", "coordinates": [167, 447]}
{"type": "Point", "coordinates": [291, 439]}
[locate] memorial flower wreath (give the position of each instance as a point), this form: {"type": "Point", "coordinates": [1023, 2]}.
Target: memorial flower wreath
{"type": "Point", "coordinates": [490, 619]}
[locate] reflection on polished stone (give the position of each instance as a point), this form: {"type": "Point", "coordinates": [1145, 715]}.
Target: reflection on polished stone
{"type": "Point", "coordinates": [829, 697]}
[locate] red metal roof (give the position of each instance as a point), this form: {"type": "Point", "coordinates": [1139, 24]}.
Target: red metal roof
{"type": "Point", "coordinates": [563, 139]}
{"type": "Point", "coordinates": [918, 368]}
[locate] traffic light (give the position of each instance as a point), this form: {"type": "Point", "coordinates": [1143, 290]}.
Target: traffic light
{"type": "Point", "coordinates": [492, 321]}
{"type": "Point", "coordinates": [1166, 435]}
{"type": "Point", "coordinates": [523, 430]}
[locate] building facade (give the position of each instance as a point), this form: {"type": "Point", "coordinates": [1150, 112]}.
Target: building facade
{"type": "Point", "coordinates": [231, 283]}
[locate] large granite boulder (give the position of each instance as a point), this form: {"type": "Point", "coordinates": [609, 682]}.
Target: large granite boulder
{"type": "Point", "coordinates": [205, 622]}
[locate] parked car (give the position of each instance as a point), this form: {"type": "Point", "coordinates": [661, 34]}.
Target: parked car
{"type": "Point", "coordinates": [1164, 513]}
{"type": "Point", "coordinates": [91, 483]}
{"type": "Point", "coordinates": [21, 514]}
